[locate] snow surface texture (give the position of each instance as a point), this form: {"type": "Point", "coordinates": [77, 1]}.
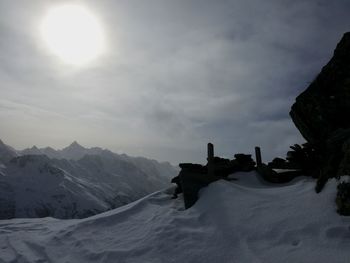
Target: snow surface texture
{"type": "Point", "coordinates": [81, 183]}
{"type": "Point", "coordinates": [243, 221]}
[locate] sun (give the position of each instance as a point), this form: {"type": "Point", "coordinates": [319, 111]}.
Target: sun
{"type": "Point", "coordinates": [73, 34]}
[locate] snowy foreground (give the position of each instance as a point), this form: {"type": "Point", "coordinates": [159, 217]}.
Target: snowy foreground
{"type": "Point", "coordinates": [238, 221]}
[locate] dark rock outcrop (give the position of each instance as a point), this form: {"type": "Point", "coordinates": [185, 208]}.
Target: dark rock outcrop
{"type": "Point", "coordinates": [324, 107]}
{"type": "Point", "coordinates": [343, 199]}
{"type": "Point", "coordinates": [194, 177]}
{"type": "Point", "coordinates": [322, 113]}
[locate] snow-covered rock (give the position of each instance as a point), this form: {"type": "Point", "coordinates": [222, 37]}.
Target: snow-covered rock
{"type": "Point", "coordinates": [240, 221]}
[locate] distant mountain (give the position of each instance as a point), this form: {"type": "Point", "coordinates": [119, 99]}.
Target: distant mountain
{"type": "Point", "coordinates": [50, 152]}
{"type": "Point", "coordinates": [75, 152]}
{"type": "Point", "coordinates": [72, 152]}
{"type": "Point", "coordinates": [31, 151]}
{"type": "Point", "coordinates": [75, 182]}
{"type": "Point", "coordinates": [6, 152]}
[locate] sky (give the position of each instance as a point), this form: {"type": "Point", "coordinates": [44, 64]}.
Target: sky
{"type": "Point", "coordinates": [174, 76]}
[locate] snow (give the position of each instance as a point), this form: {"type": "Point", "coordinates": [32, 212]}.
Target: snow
{"type": "Point", "coordinates": [243, 220]}
{"type": "Point", "coordinates": [285, 170]}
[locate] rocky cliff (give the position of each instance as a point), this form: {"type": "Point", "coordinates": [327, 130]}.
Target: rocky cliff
{"type": "Point", "coordinates": [322, 114]}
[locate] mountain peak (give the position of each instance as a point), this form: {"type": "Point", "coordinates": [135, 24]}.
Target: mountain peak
{"type": "Point", "coordinates": [6, 152]}
{"type": "Point", "coordinates": [3, 145]}
{"type": "Point", "coordinates": [75, 144]}
{"type": "Point", "coordinates": [48, 148]}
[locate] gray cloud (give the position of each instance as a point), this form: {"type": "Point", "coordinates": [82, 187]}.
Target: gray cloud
{"type": "Point", "coordinates": [177, 74]}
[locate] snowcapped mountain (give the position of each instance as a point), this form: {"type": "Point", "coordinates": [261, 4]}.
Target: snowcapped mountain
{"type": "Point", "coordinates": [75, 182]}
{"type": "Point", "coordinates": [72, 152]}
{"type": "Point", "coordinates": [245, 220]}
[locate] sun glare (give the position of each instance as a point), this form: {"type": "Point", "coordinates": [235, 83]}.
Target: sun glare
{"type": "Point", "coordinates": [73, 33]}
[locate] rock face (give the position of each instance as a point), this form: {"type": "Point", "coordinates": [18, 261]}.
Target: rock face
{"type": "Point", "coordinates": [322, 113]}
{"type": "Point", "coordinates": [324, 107]}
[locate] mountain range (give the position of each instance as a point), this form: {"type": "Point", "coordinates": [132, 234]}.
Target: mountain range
{"type": "Point", "coordinates": [74, 182]}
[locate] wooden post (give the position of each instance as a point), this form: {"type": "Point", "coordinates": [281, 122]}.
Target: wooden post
{"type": "Point", "coordinates": [210, 159]}
{"type": "Point", "coordinates": [258, 156]}
{"type": "Point", "coordinates": [210, 151]}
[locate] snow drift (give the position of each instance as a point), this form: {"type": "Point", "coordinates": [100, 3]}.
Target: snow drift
{"type": "Point", "coordinates": [239, 221]}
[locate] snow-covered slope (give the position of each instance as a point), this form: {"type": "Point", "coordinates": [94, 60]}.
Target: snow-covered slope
{"type": "Point", "coordinates": [37, 186]}
{"type": "Point", "coordinates": [241, 221]}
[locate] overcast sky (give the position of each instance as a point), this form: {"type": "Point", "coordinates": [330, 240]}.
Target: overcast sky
{"type": "Point", "coordinates": [175, 75]}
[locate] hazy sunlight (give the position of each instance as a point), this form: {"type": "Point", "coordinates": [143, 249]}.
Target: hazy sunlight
{"type": "Point", "coordinates": [73, 33]}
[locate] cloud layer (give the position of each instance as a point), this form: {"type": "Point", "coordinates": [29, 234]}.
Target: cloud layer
{"type": "Point", "coordinates": [177, 75]}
